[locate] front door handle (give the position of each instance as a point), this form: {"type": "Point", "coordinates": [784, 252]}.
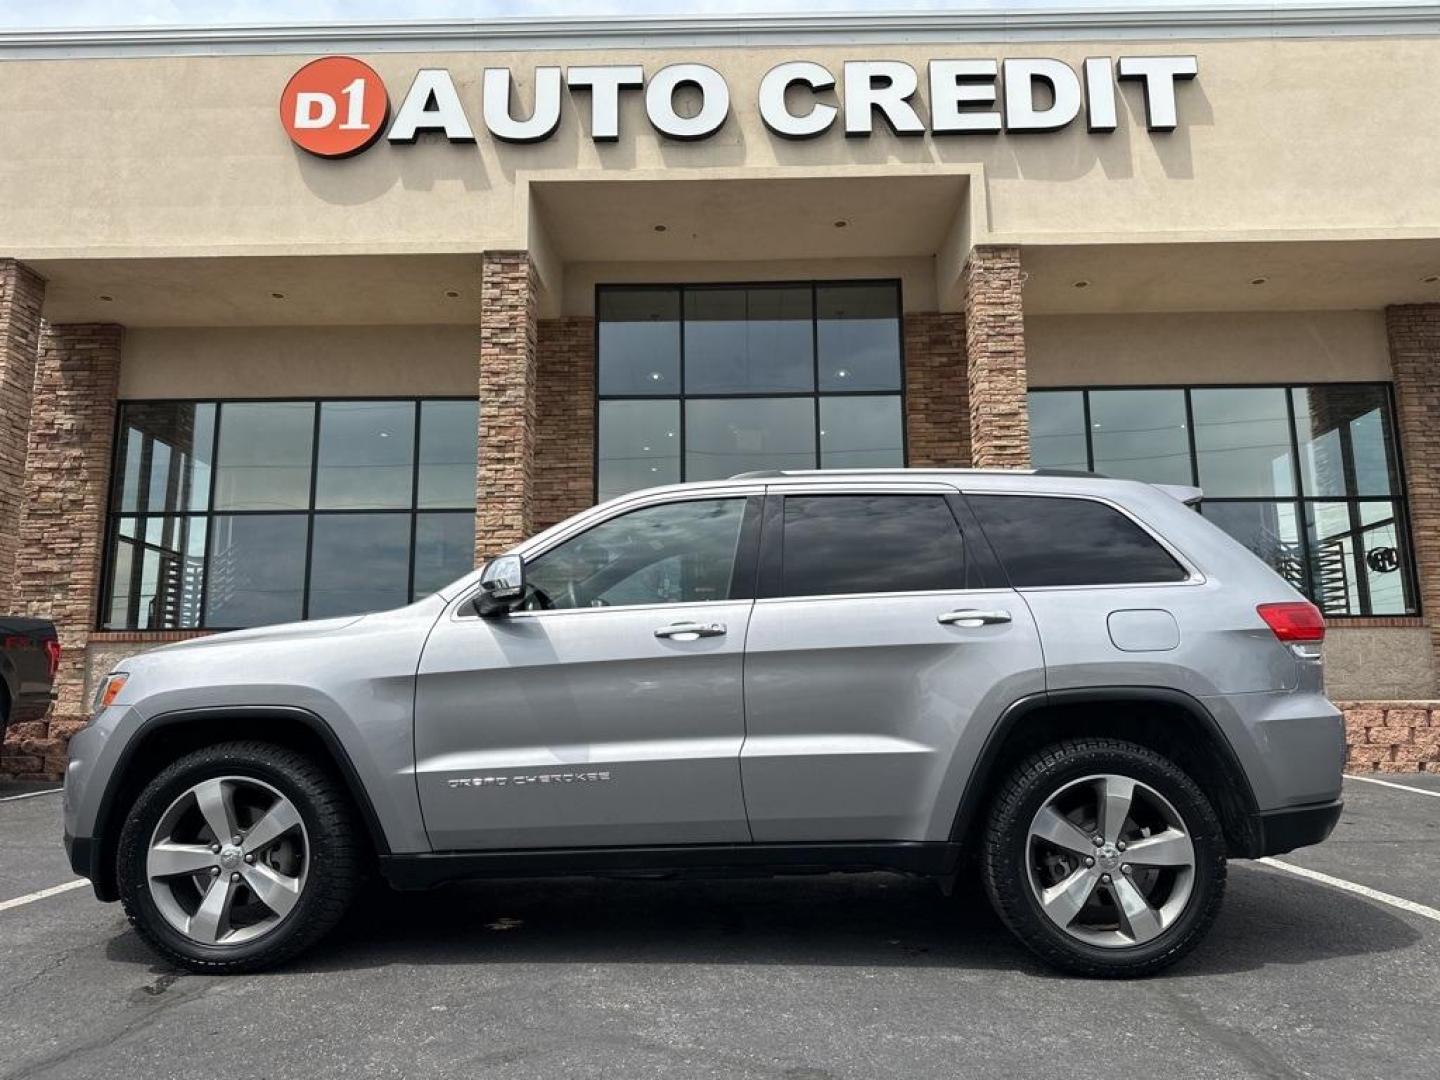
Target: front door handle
{"type": "Point", "coordinates": [972, 617]}
{"type": "Point", "coordinates": [689, 631]}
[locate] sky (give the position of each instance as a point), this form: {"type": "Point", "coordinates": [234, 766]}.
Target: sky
{"type": "Point", "coordinates": [16, 14]}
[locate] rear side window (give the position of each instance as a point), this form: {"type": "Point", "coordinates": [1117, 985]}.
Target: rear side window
{"type": "Point", "coordinates": [836, 544]}
{"type": "Point", "coordinates": [1050, 541]}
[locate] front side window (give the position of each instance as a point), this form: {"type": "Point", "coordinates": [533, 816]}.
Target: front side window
{"type": "Point", "coordinates": [1045, 541]}
{"type": "Point", "coordinates": [1306, 477]}
{"type": "Point", "coordinates": [676, 553]}
{"type": "Point", "coordinates": [234, 514]}
{"type": "Point", "coordinates": [703, 382]}
{"type": "Point", "coordinates": [846, 544]}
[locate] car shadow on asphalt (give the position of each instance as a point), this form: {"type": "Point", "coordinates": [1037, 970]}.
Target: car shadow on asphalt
{"type": "Point", "coordinates": [873, 920]}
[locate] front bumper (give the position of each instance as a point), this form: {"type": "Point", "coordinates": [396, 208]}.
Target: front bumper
{"type": "Point", "coordinates": [1274, 832]}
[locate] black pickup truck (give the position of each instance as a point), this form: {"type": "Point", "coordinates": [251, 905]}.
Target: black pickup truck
{"type": "Point", "coordinates": [29, 658]}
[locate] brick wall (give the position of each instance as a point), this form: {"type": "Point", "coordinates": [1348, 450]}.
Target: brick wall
{"type": "Point", "coordinates": [504, 509]}
{"type": "Point", "coordinates": [22, 295]}
{"type": "Point", "coordinates": [1414, 333]}
{"type": "Point", "coordinates": [1392, 736]}
{"type": "Point", "coordinates": [565, 420]}
{"type": "Point", "coordinates": [995, 356]}
{"type": "Point", "coordinates": [937, 405]}
{"type": "Point", "coordinates": [62, 524]}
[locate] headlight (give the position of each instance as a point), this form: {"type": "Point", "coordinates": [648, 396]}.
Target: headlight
{"type": "Point", "coordinates": [108, 690]}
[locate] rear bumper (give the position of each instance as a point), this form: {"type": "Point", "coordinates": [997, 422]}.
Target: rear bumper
{"type": "Point", "coordinates": [1274, 832]}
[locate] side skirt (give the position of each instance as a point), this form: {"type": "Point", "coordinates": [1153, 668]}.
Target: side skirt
{"type": "Point", "coordinates": [930, 859]}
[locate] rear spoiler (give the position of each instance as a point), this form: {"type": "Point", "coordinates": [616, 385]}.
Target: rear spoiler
{"type": "Point", "coordinates": [1186, 494]}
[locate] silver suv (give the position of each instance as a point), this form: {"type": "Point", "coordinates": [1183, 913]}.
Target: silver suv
{"type": "Point", "coordinates": [1076, 688]}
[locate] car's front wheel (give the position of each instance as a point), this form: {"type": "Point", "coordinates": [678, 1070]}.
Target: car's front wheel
{"type": "Point", "coordinates": [1104, 858]}
{"type": "Point", "coordinates": [237, 857]}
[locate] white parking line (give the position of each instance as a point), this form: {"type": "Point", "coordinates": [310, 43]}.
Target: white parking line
{"type": "Point", "coordinates": [54, 890]}
{"type": "Point", "coordinates": [31, 794]}
{"type": "Point", "coordinates": [1391, 783]}
{"type": "Point", "coordinates": [1359, 890]}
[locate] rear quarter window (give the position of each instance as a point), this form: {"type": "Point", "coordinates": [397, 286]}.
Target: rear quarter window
{"type": "Point", "coordinates": [1053, 541]}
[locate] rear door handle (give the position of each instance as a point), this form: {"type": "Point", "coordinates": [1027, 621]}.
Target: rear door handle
{"type": "Point", "coordinates": [689, 631]}
{"type": "Point", "coordinates": [972, 617]}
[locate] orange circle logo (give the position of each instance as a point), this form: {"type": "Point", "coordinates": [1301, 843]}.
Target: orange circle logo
{"type": "Point", "coordinates": [334, 107]}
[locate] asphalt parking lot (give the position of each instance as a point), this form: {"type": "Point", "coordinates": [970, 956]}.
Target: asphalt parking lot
{"type": "Point", "coordinates": [798, 979]}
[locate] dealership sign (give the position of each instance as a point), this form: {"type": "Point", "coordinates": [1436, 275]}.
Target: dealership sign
{"type": "Point", "coordinates": [337, 106]}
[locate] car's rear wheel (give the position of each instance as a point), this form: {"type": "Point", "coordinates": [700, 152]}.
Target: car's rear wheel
{"type": "Point", "coordinates": [237, 857]}
{"type": "Point", "coordinates": [1104, 858]}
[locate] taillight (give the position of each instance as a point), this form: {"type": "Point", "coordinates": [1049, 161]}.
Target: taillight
{"type": "Point", "coordinates": [1298, 621]}
{"type": "Point", "coordinates": [52, 654]}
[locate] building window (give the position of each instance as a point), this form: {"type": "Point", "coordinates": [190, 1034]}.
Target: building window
{"type": "Point", "coordinates": [703, 382]}
{"type": "Point", "coordinates": [1307, 477]}
{"type": "Point", "coordinates": [243, 513]}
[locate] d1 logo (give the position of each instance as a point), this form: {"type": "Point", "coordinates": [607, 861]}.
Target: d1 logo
{"type": "Point", "coordinates": [334, 107]}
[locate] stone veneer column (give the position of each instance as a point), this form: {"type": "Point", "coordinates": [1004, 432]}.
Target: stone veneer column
{"type": "Point", "coordinates": [1414, 332]}
{"type": "Point", "coordinates": [937, 420]}
{"type": "Point", "coordinates": [62, 524]}
{"type": "Point", "coordinates": [565, 432]}
{"type": "Point", "coordinates": [22, 295]}
{"type": "Point", "coordinates": [505, 500]}
{"type": "Point", "coordinates": [995, 353]}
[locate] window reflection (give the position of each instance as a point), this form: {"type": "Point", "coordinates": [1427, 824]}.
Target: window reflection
{"type": "Point", "coordinates": [768, 370]}
{"type": "Point", "coordinates": [257, 569]}
{"type": "Point", "coordinates": [367, 453]}
{"type": "Point", "coordinates": [861, 433]}
{"type": "Point", "coordinates": [1242, 441]}
{"type": "Point", "coordinates": [1057, 430]}
{"type": "Point", "coordinates": [639, 341]}
{"type": "Point", "coordinates": [174, 561]}
{"type": "Point", "coordinates": [858, 334]}
{"type": "Point", "coordinates": [359, 562]}
{"type": "Point", "coordinates": [748, 341]}
{"type": "Point", "coordinates": [1141, 434]}
{"type": "Point", "coordinates": [723, 438]}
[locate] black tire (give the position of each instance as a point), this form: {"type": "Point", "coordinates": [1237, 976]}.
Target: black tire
{"type": "Point", "coordinates": [1006, 848]}
{"type": "Point", "coordinates": [335, 855]}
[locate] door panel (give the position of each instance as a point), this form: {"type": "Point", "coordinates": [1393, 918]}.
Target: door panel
{"type": "Point", "coordinates": [582, 727]}
{"type": "Point", "coordinates": [864, 713]}
{"type": "Point", "coordinates": [880, 654]}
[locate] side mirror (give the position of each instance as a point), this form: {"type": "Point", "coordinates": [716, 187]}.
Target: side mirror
{"type": "Point", "coordinates": [502, 583]}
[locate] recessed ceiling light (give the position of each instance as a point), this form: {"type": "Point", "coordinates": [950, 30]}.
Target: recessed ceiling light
{"type": "Point", "coordinates": [277, 296]}
{"type": "Point", "coordinates": [661, 228]}
{"type": "Point", "coordinates": [451, 293]}
{"type": "Point", "coordinates": [1082, 284]}
{"type": "Point", "coordinates": [106, 297]}
{"type": "Point", "coordinates": [1259, 280]}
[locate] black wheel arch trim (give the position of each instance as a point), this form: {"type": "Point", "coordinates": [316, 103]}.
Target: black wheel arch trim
{"type": "Point", "coordinates": [88, 855]}
{"type": "Point", "coordinates": [980, 774]}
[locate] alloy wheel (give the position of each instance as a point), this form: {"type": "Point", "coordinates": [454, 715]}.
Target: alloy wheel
{"type": "Point", "coordinates": [228, 861]}
{"type": "Point", "coordinates": [1110, 861]}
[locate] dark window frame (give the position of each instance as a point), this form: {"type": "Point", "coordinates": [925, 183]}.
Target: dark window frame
{"type": "Point", "coordinates": [143, 514]}
{"type": "Point", "coordinates": [816, 394]}
{"type": "Point", "coordinates": [1398, 497]}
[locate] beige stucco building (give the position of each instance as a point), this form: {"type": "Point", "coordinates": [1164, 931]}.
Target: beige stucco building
{"type": "Point", "coordinates": [242, 381]}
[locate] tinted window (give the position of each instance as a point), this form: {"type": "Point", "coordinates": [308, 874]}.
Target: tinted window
{"type": "Point", "coordinates": [1049, 541]}
{"type": "Point", "coordinates": [671, 554]}
{"type": "Point", "coordinates": [870, 543]}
